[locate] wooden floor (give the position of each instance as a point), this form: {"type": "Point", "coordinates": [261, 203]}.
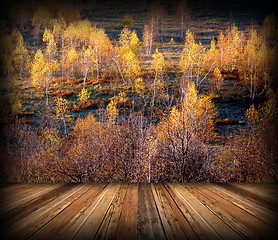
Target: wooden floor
{"type": "Point", "coordinates": [139, 211]}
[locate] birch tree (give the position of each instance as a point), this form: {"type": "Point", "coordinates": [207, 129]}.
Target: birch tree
{"type": "Point", "coordinates": [62, 113]}
{"type": "Point", "coordinates": [192, 59]}
{"type": "Point", "coordinates": [89, 60]}
{"type": "Point", "coordinates": [39, 71]}
{"type": "Point", "coordinates": [217, 80]}
{"type": "Point", "coordinates": [126, 56]}
{"type": "Point", "coordinates": [50, 57]}
{"type": "Point", "coordinates": [253, 68]}
{"type": "Point", "coordinates": [148, 37]}
{"type": "Point", "coordinates": [158, 66]}
{"type": "Point", "coordinates": [101, 50]}
{"type": "Point", "coordinates": [71, 60]}
{"type": "Point", "coordinates": [182, 136]}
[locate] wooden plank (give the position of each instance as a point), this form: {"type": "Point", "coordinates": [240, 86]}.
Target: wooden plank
{"type": "Point", "coordinates": [162, 213]}
{"type": "Point", "coordinates": [260, 201]}
{"type": "Point", "coordinates": [149, 224]}
{"type": "Point", "coordinates": [91, 225]}
{"type": "Point", "coordinates": [215, 207]}
{"type": "Point", "coordinates": [20, 193]}
{"type": "Point", "coordinates": [259, 211]}
{"type": "Point", "coordinates": [254, 226]}
{"type": "Point", "coordinates": [259, 190]}
{"type": "Point", "coordinates": [70, 231]}
{"type": "Point", "coordinates": [70, 218]}
{"type": "Point", "coordinates": [10, 188]}
{"type": "Point", "coordinates": [207, 224]}
{"type": "Point", "coordinates": [141, 211]}
{"type": "Point", "coordinates": [34, 192]}
{"type": "Point", "coordinates": [16, 193]}
{"type": "Point", "coordinates": [22, 211]}
{"type": "Point", "coordinates": [272, 187]}
{"type": "Point", "coordinates": [37, 219]}
{"type": "Point", "coordinates": [108, 230]}
{"type": "Point", "coordinates": [185, 225]}
{"type": "Point", "coordinates": [127, 226]}
{"type": "Point", "coordinates": [174, 229]}
{"type": "Point", "coordinates": [266, 188]}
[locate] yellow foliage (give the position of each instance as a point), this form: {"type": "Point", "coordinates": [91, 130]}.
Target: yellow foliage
{"type": "Point", "coordinates": [52, 139]}
{"type": "Point", "coordinates": [130, 62]}
{"type": "Point", "coordinates": [212, 56]}
{"type": "Point", "coordinates": [230, 49]}
{"type": "Point", "coordinates": [182, 135]}
{"type": "Point", "coordinates": [83, 125]}
{"type": "Point", "coordinates": [255, 63]}
{"type": "Point", "coordinates": [217, 73]}
{"type": "Point", "coordinates": [172, 41]}
{"type": "Point", "coordinates": [84, 95]}
{"type": "Point", "coordinates": [84, 29]}
{"type": "Point", "coordinates": [217, 78]}
{"type": "Point", "coordinates": [51, 48]}
{"type": "Point", "coordinates": [158, 64]}
{"type": "Point", "coordinates": [124, 38]}
{"type": "Point", "coordinates": [126, 55]}
{"type": "Point", "coordinates": [192, 121]}
{"type": "Point", "coordinates": [61, 106]}
{"type": "Point", "coordinates": [139, 86]}
{"type": "Point", "coordinates": [72, 55]}
{"type": "Point", "coordinates": [88, 54]}
{"type": "Point", "coordinates": [234, 48]}
{"type": "Point", "coordinates": [100, 41]}
{"type": "Point", "coordinates": [253, 117]}
{"type": "Point", "coordinates": [134, 43]}
{"type": "Point", "coordinates": [120, 98]}
{"type": "Point", "coordinates": [38, 70]}
{"type": "Point", "coordinates": [192, 57]}
{"type": "Point", "coordinates": [112, 111]}
{"type": "Point", "coordinates": [222, 45]}
{"type": "Point", "coordinates": [147, 38]}
{"type": "Point", "coordinates": [48, 36]}
{"type": "Point", "coordinates": [78, 33]}
{"type": "Point", "coordinates": [71, 60]}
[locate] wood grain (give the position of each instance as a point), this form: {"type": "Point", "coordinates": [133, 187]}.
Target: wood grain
{"type": "Point", "coordinates": [139, 211]}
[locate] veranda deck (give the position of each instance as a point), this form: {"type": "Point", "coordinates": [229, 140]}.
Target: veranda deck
{"type": "Point", "coordinates": [139, 211]}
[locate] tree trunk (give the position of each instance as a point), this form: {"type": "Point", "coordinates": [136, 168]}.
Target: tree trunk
{"type": "Point", "coordinates": [120, 71]}
{"type": "Point", "coordinates": [65, 125]}
{"type": "Point", "coordinates": [85, 75]}
{"type": "Point", "coordinates": [46, 93]}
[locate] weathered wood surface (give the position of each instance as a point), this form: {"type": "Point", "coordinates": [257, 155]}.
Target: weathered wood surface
{"type": "Point", "coordinates": [139, 211]}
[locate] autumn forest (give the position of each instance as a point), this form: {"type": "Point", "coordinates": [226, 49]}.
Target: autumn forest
{"type": "Point", "coordinates": [150, 91]}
